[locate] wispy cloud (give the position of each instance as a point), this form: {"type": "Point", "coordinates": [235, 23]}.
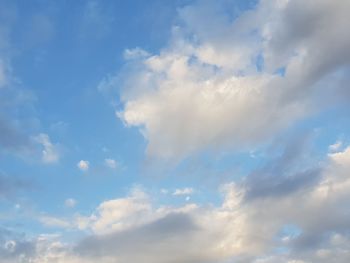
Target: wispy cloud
{"type": "Point", "coordinates": [111, 163]}
{"type": "Point", "coordinates": [70, 202]}
{"type": "Point", "coordinates": [183, 191]}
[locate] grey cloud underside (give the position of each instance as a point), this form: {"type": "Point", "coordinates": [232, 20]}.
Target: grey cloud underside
{"type": "Point", "coordinates": [168, 240]}
{"type": "Point", "coordinates": [10, 252]}
{"type": "Point", "coordinates": [285, 174]}
{"type": "Point", "coordinates": [249, 223]}
{"type": "Point", "coordinates": [246, 227]}
{"type": "Point", "coordinates": [318, 26]}
{"type": "Point", "coordinates": [275, 185]}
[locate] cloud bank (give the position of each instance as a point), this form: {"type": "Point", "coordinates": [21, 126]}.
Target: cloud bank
{"type": "Point", "coordinates": [250, 224]}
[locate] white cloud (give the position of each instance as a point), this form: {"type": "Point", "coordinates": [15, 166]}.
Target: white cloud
{"type": "Point", "coordinates": [207, 93]}
{"type": "Point", "coordinates": [245, 229]}
{"type": "Point", "coordinates": [83, 165]}
{"type": "Point", "coordinates": [111, 163]}
{"type": "Point", "coordinates": [183, 191]}
{"type": "Point", "coordinates": [135, 53]}
{"type": "Point", "coordinates": [119, 214]}
{"type": "Point", "coordinates": [342, 157]}
{"type": "Point", "coordinates": [336, 146]}
{"type": "Point", "coordinates": [50, 152]}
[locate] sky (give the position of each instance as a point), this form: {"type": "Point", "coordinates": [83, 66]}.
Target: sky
{"type": "Point", "coordinates": [174, 131]}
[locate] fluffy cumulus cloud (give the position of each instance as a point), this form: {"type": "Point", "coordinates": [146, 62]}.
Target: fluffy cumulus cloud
{"type": "Point", "coordinates": [118, 214]}
{"type": "Point", "coordinates": [83, 165]}
{"type": "Point", "coordinates": [243, 228]}
{"type": "Point", "coordinates": [236, 80]}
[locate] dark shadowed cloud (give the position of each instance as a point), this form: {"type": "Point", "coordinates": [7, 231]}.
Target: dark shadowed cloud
{"type": "Point", "coordinates": [164, 240]}
{"type": "Point", "coordinates": [284, 174]}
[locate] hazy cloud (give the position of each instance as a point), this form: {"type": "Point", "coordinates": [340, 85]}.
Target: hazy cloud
{"type": "Point", "coordinates": [50, 152]}
{"type": "Point", "coordinates": [183, 191]}
{"type": "Point", "coordinates": [70, 202]}
{"type": "Point", "coordinates": [111, 163]}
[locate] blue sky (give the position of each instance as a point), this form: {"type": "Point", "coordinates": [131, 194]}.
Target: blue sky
{"type": "Point", "coordinates": [131, 128]}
